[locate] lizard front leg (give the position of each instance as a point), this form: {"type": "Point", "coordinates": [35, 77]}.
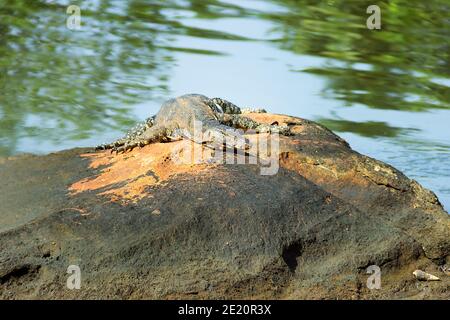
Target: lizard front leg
{"type": "Point", "coordinates": [240, 122]}
{"type": "Point", "coordinates": [220, 106]}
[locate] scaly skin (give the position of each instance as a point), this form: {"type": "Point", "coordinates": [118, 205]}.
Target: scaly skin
{"type": "Point", "coordinates": [176, 118]}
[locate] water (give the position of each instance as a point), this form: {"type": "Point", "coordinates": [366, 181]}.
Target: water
{"type": "Point", "coordinates": [386, 92]}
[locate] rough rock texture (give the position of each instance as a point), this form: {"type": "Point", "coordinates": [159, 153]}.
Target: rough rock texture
{"type": "Point", "coordinates": [141, 225]}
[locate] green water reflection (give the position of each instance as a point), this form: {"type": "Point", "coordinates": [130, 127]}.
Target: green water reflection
{"type": "Point", "coordinates": [59, 83]}
{"type": "Point", "coordinates": [401, 63]}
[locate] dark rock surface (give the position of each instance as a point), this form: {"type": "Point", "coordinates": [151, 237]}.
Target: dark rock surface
{"type": "Point", "coordinates": [141, 226]}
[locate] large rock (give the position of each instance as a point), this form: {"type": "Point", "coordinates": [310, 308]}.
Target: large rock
{"type": "Point", "coordinates": [142, 225]}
